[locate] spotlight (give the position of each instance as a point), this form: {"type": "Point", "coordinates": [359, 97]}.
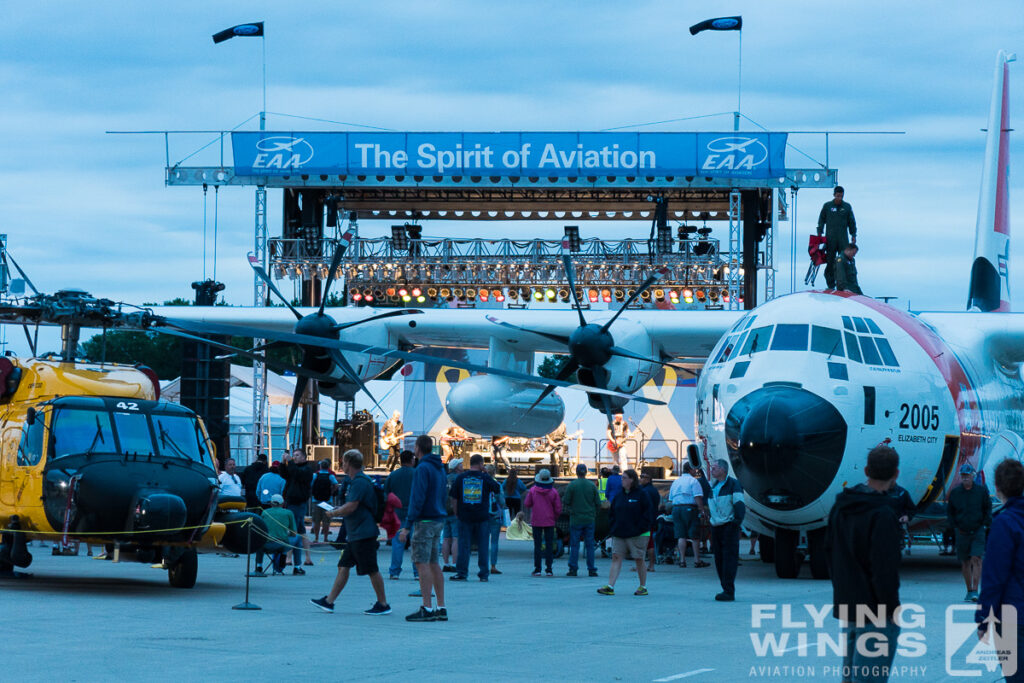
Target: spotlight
{"type": "Point", "coordinates": [563, 295]}
{"type": "Point", "coordinates": [645, 295]}
{"type": "Point", "coordinates": [391, 291]}
{"type": "Point", "coordinates": [687, 293]}
{"type": "Point", "coordinates": [579, 294]}
{"type": "Point", "coordinates": [713, 293]}
{"type": "Point", "coordinates": [663, 242]}
{"type": "Point", "coordinates": [399, 238]}
{"type": "Point", "coordinates": [725, 297]}
{"type": "Point", "coordinates": [620, 294]}
{"type": "Point", "coordinates": [420, 299]}
{"type": "Point", "coordinates": [403, 292]}
{"type": "Point", "coordinates": [499, 297]}
{"type": "Point", "coordinates": [406, 298]}
{"type": "Point", "coordinates": [606, 295]}
{"type": "Point", "coordinates": [470, 293]}
{"type": "Point", "coordinates": [513, 293]}
{"type": "Point", "coordinates": [416, 291]}
{"type": "Point", "coordinates": [484, 293]}
{"type": "Point", "coordinates": [538, 294]}
{"type": "Point", "coordinates": [368, 298]}
{"type": "Point", "coordinates": [572, 234]}
{"type": "Point", "coordinates": [524, 292]}
{"type": "Point", "coordinates": [659, 293]}
{"type": "Point", "coordinates": [445, 292]}
{"type": "Point", "coordinates": [432, 292]}
{"type": "Point", "coordinates": [458, 293]}
{"type": "Point", "coordinates": [378, 294]}
{"type": "Point", "coordinates": [593, 295]}
{"type": "Point", "coordinates": [701, 295]}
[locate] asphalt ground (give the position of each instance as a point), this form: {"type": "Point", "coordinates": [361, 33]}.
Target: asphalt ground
{"type": "Point", "coordinates": [80, 619]}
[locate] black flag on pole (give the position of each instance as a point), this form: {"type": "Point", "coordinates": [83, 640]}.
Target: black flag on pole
{"type": "Point", "coordinates": [718, 24]}
{"type": "Point", "coordinates": [253, 30]}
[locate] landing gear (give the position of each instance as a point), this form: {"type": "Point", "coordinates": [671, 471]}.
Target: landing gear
{"type": "Point", "coordinates": [818, 556]}
{"type": "Point", "coordinates": [787, 562]}
{"type": "Point", "coordinates": [13, 550]}
{"type": "Point", "coordinates": [766, 547]}
{"type": "Point", "coordinates": [182, 571]}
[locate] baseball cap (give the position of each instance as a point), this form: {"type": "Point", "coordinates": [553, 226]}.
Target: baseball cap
{"type": "Point", "coordinates": [966, 469]}
{"type": "Point", "coordinates": [453, 464]}
{"type": "Point", "coordinates": [277, 498]}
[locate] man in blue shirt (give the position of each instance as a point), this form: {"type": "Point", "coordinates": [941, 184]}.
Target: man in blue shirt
{"type": "Point", "coordinates": [360, 534]}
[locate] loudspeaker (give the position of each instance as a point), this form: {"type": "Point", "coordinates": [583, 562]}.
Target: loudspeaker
{"type": "Point", "coordinates": [655, 472]}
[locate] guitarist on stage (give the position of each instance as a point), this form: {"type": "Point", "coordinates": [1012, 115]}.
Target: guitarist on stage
{"type": "Point", "coordinates": [391, 436]}
{"type": "Point", "coordinates": [618, 434]}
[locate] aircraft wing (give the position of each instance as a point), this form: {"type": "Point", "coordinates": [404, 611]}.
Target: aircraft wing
{"type": "Point", "coordinates": [676, 334]}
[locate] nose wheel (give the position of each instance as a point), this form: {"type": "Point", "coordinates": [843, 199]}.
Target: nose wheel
{"type": "Point", "coordinates": [183, 570]}
{"type": "Point", "coordinates": [787, 559]}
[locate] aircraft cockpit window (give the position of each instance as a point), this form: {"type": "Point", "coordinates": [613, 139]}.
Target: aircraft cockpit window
{"type": "Point", "coordinates": [757, 340]}
{"type": "Point", "coordinates": [748, 322]}
{"type": "Point", "coordinates": [848, 323]}
{"type": "Point", "coordinates": [727, 349]}
{"type": "Point", "coordinates": [790, 338]}
{"type": "Point", "coordinates": [860, 325]}
{"type": "Point", "coordinates": [875, 329]}
{"type": "Point", "coordinates": [30, 449]}
{"type": "Point", "coordinates": [871, 355]}
{"type": "Point", "coordinates": [178, 436]}
{"type": "Point", "coordinates": [851, 347]}
{"type": "Point", "coordinates": [827, 340]}
{"type": "Point", "coordinates": [133, 433]}
{"type": "Point", "coordinates": [888, 357]}
{"type": "Point", "coordinates": [81, 431]}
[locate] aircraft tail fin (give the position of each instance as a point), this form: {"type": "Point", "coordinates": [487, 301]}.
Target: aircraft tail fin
{"type": "Point", "coordinates": [990, 278]}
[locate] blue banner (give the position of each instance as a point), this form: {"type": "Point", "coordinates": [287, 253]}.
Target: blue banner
{"type": "Point", "coordinates": [717, 155]}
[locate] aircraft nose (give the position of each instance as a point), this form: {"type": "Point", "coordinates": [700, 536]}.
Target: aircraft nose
{"type": "Point", "coordinates": [785, 444]}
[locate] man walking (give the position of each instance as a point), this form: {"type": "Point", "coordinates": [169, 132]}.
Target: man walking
{"type": "Point", "coordinates": [727, 509]}
{"type": "Point", "coordinates": [360, 536]}
{"type": "Point", "coordinates": [836, 219]}
{"type": "Point", "coordinates": [969, 511]}
{"type": "Point", "coordinates": [581, 500]}
{"type": "Point", "coordinates": [687, 498]}
{"type": "Point", "coordinates": [472, 492]}
{"type": "Point", "coordinates": [425, 517]}
{"type": "Point", "coordinates": [399, 483]}
{"type": "Point", "coordinates": [864, 541]}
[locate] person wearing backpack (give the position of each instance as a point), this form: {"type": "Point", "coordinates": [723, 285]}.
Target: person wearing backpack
{"type": "Point", "coordinates": [298, 476]}
{"type": "Point", "coordinates": [363, 508]}
{"type": "Point", "coordinates": [324, 487]}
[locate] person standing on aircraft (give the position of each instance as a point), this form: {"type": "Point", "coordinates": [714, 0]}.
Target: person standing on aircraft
{"type": "Point", "coordinates": [250, 480]}
{"type": "Point", "coordinates": [969, 511]}
{"type": "Point", "coordinates": [835, 220]}
{"type": "Point", "coordinates": [846, 270]}
{"type": "Point", "coordinates": [1000, 578]}
{"type": "Point", "coordinates": [688, 502]}
{"type": "Point", "coordinates": [361, 533]}
{"type": "Point", "coordinates": [299, 477]}
{"type": "Point", "coordinates": [864, 558]}
{"type": "Point", "coordinates": [727, 510]}
{"type": "Point", "coordinates": [230, 483]}
{"type": "Point", "coordinates": [425, 517]}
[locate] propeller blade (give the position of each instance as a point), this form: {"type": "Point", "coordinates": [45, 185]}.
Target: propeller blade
{"type": "Point", "coordinates": [624, 353]}
{"type": "Point", "coordinates": [340, 360]}
{"type": "Point", "coordinates": [569, 366]}
{"type": "Point", "coordinates": [300, 389]}
{"type": "Point", "coordinates": [570, 275]}
{"type": "Point", "coordinates": [22, 273]}
{"type": "Point", "coordinates": [253, 261]}
{"type": "Point", "coordinates": [648, 283]}
{"type": "Point", "coordinates": [547, 335]}
{"type": "Point", "coordinates": [28, 337]}
{"type": "Point", "coordinates": [606, 408]}
{"type": "Point", "coordinates": [385, 352]}
{"type": "Point", "coordinates": [339, 251]}
{"type": "Point", "coordinates": [389, 314]}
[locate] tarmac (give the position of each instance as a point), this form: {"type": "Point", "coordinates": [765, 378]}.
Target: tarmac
{"type": "Point", "coordinates": [79, 619]}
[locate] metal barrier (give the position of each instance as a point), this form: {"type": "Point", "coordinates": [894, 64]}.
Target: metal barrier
{"type": "Point", "coordinates": [671, 442]}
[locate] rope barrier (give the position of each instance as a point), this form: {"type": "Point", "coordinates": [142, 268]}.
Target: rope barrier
{"type": "Point", "coordinates": [120, 533]}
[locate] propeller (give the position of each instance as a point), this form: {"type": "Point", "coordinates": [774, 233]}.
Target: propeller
{"type": "Point", "coordinates": [590, 345]}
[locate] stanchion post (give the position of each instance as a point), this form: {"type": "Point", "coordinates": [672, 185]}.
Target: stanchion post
{"type": "Point", "coordinates": [248, 559]}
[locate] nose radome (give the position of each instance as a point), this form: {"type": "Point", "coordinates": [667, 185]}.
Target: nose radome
{"type": "Point", "coordinates": [785, 444]}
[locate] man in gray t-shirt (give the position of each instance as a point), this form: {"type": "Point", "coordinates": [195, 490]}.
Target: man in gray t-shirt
{"type": "Point", "coordinates": [361, 531]}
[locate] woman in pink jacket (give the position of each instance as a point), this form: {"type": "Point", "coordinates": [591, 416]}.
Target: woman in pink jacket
{"type": "Point", "coordinates": [545, 506]}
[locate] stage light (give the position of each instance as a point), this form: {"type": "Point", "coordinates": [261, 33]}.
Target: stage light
{"type": "Point", "coordinates": [725, 297]}
{"type": "Point", "coordinates": [630, 292]}
{"type": "Point", "coordinates": [687, 293]}
{"type": "Point", "coordinates": [550, 294]}
{"type": "Point", "coordinates": [659, 293]}
{"type": "Point", "coordinates": [563, 295]}
{"type": "Point", "coordinates": [458, 293]}
{"type": "Point", "coordinates": [606, 295]}
{"type": "Point", "coordinates": [538, 294]}
{"type": "Point", "coordinates": [572, 234]}
{"type": "Point", "coordinates": [420, 299]}
{"type": "Point", "coordinates": [403, 292]}
{"type": "Point", "coordinates": [593, 295]}
{"type": "Point", "coordinates": [620, 294]}
{"type": "Point", "coordinates": [432, 292]}
{"type": "Point", "coordinates": [445, 292]}
{"type": "Point", "coordinates": [356, 296]}
{"type": "Point", "coordinates": [499, 297]}
{"type": "Point", "coordinates": [713, 293]}
{"type": "Point", "coordinates": [416, 291]}
{"type": "Point", "coordinates": [701, 295]}
{"type": "Point", "coordinates": [688, 299]}
{"type": "Point", "coordinates": [378, 294]}
{"type": "Point", "coordinates": [484, 296]}
{"type": "Point", "coordinates": [406, 298]}
{"type": "Point", "coordinates": [513, 293]}
{"type": "Point", "coordinates": [663, 242]}
{"type": "Point", "coordinates": [368, 298]}
{"type": "Point", "coordinates": [390, 291]}
{"type": "Point", "coordinates": [524, 292]}
{"type": "Point", "coordinates": [645, 295]}
{"type": "Point", "coordinates": [485, 292]}
{"type": "Point", "coordinates": [399, 238]}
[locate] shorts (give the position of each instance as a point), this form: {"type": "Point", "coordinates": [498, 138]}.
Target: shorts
{"type": "Point", "coordinates": [685, 521]}
{"type": "Point", "coordinates": [426, 537]}
{"type": "Point", "coordinates": [320, 517]}
{"type": "Point", "coordinates": [362, 555]}
{"type": "Point", "coordinates": [970, 545]}
{"type": "Point", "coordinates": [451, 526]}
{"type": "Point", "coordinates": [634, 548]}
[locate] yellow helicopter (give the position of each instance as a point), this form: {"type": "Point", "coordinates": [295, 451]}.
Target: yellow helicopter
{"type": "Point", "coordinates": [89, 453]}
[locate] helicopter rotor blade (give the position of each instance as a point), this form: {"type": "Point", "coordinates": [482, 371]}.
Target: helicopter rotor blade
{"type": "Point", "coordinates": [254, 262]}
{"type": "Point", "coordinates": [648, 283]}
{"type": "Point", "coordinates": [339, 251]}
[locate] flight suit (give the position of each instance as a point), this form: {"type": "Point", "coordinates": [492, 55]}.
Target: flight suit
{"type": "Point", "coordinates": [836, 222]}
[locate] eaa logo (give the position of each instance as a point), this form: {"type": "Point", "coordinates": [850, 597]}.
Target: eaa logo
{"type": "Point", "coordinates": [282, 152]}
{"type": "Point", "coordinates": [735, 154]}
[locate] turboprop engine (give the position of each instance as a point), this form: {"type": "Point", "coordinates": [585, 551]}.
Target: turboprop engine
{"type": "Point", "coordinates": [490, 405]}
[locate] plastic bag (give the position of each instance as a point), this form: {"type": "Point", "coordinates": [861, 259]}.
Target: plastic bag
{"type": "Point", "coordinates": [519, 530]}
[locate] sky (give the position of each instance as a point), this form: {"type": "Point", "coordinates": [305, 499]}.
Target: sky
{"type": "Point", "coordinates": [84, 208]}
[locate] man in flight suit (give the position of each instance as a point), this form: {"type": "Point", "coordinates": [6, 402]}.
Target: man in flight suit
{"type": "Point", "coordinates": [835, 219]}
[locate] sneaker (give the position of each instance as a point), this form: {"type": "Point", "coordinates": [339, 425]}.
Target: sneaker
{"type": "Point", "coordinates": [606, 590]}
{"type": "Point", "coordinates": [422, 614]}
{"type": "Point", "coordinates": [974, 598]}
{"type": "Point", "coordinates": [536, 572]}
{"type": "Point", "coordinates": [725, 597]}
{"type": "Point", "coordinates": [378, 608]}
{"type": "Point", "coordinates": [642, 590]}
{"type": "Point", "coordinates": [457, 577]}
{"type": "Point", "coordinates": [571, 572]}
{"type": "Point", "coordinates": [494, 570]}
{"type": "Point", "coordinates": [548, 572]}
{"type": "Point", "coordinates": [258, 574]}
{"type": "Point", "coordinates": [298, 571]}
{"type": "Point", "coordinates": [593, 572]}
{"type": "Point", "coordinates": [393, 577]}
{"type": "Point", "coordinates": [308, 563]}
{"type": "Point", "coordinates": [441, 614]}
{"type": "Point", "coordinates": [448, 568]}
{"type": "Point", "coordinates": [324, 605]}
{"type": "Point", "coordinates": [484, 579]}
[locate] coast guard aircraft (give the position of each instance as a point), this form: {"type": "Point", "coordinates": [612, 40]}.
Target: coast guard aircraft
{"type": "Point", "coordinates": [793, 393]}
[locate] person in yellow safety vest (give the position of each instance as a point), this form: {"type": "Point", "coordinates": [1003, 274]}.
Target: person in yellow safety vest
{"type": "Point", "coordinates": [602, 485]}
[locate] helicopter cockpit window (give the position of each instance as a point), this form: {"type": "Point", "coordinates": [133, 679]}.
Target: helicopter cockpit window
{"type": "Point", "coordinates": [82, 431]}
{"type": "Point", "coordinates": [178, 436]}
{"type": "Point", "coordinates": [30, 449]}
{"type": "Point", "coordinates": [133, 433]}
